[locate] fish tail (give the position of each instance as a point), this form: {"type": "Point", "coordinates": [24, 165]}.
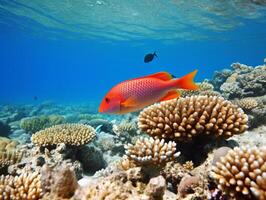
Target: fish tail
{"type": "Point", "coordinates": [186, 82]}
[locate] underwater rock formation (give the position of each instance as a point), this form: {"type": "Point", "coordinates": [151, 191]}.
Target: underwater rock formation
{"type": "Point", "coordinates": [185, 118]}
{"type": "Point", "coordinates": [71, 134]}
{"type": "Point", "coordinates": [242, 172]}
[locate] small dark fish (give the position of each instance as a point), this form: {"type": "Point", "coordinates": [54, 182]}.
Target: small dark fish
{"type": "Point", "coordinates": [149, 57]}
{"type": "Point", "coordinates": [35, 98]}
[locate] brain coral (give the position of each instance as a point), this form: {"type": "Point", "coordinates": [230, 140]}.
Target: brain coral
{"type": "Point", "coordinates": [151, 151]}
{"type": "Point", "coordinates": [26, 186]}
{"type": "Point", "coordinates": [183, 118]}
{"type": "Point", "coordinates": [71, 134]}
{"type": "Point", "coordinates": [242, 172]}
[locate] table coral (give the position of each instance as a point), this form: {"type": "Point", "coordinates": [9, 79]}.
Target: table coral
{"type": "Point", "coordinates": [26, 186]}
{"type": "Point", "coordinates": [184, 118]}
{"type": "Point", "coordinates": [152, 151]}
{"type": "Point", "coordinates": [242, 172]}
{"type": "Point", "coordinates": [71, 134]}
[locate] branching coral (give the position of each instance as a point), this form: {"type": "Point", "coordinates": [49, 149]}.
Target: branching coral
{"type": "Point", "coordinates": [72, 134]}
{"type": "Point", "coordinates": [26, 186]}
{"type": "Point", "coordinates": [151, 151]}
{"type": "Point", "coordinates": [184, 118]}
{"type": "Point", "coordinates": [242, 172]}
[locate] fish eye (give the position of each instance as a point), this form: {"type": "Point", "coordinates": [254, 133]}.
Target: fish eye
{"type": "Point", "coordinates": [107, 100]}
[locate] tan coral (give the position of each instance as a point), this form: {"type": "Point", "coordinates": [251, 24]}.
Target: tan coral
{"type": "Point", "coordinates": [71, 134]}
{"type": "Point", "coordinates": [10, 157]}
{"type": "Point", "coordinates": [125, 164]}
{"type": "Point", "coordinates": [247, 103]}
{"type": "Point", "coordinates": [188, 165]}
{"type": "Point", "coordinates": [242, 172]}
{"type": "Point", "coordinates": [7, 145]}
{"type": "Point", "coordinates": [184, 118]}
{"type": "Point", "coordinates": [26, 186]}
{"type": "Point", "coordinates": [151, 151]}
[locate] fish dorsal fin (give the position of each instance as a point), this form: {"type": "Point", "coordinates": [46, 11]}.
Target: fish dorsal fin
{"type": "Point", "coordinates": [170, 95]}
{"type": "Point", "coordinates": [164, 76]}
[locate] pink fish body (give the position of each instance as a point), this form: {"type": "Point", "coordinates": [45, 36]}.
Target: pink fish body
{"type": "Point", "coordinates": [135, 94]}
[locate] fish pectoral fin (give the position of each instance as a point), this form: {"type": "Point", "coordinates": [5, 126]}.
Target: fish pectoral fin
{"type": "Point", "coordinates": [130, 102]}
{"type": "Point", "coordinates": [170, 95]}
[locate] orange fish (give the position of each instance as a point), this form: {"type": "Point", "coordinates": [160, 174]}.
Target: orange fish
{"type": "Point", "coordinates": [135, 94]}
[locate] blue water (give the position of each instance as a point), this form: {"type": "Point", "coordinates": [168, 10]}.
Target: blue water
{"type": "Point", "coordinates": [82, 69]}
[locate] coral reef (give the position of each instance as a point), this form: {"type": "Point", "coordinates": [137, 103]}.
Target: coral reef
{"type": "Point", "coordinates": [184, 118]}
{"type": "Point", "coordinates": [242, 172]}
{"type": "Point", "coordinates": [71, 134]}
{"type": "Point", "coordinates": [151, 151]}
{"type": "Point", "coordinates": [245, 86]}
{"type": "Point", "coordinates": [34, 124]}
{"type": "Point", "coordinates": [26, 186]}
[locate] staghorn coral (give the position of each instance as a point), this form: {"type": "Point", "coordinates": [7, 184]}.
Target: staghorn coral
{"type": "Point", "coordinates": [151, 151]}
{"type": "Point", "coordinates": [242, 172]}
{"type": "Point", "coordinates": [34, 124]}
{"type": "Point", "coordinates": [184, 118]}
{"type": "Point", "coordinates": [71, 134]}
{"type": "Point", "coordinates": [26, 186]}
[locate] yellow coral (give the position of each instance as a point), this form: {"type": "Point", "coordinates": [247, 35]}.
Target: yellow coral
{"type": "Point", "coordinates": [188, 165]}
{"type": "Point", "coordinates": [7, 144]}
{"type": "Point", "coordinates": [72, 134]}
{"type": "Point", "coordinates": [26, 186]}
{"type": "Point", "coordinates": [242, 172]}
{"type": "Point", "coordinates": [184, 118]}
{"type": "Point", "coordinates": [8, 153]}
{"type": "Point", "coordinates": [151, 151]}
